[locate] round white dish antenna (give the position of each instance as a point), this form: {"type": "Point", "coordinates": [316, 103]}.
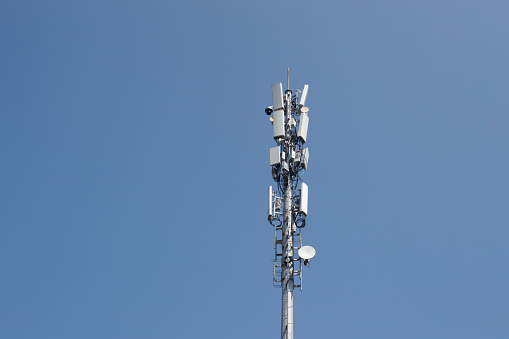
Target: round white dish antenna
{"type": "Point", "coordinates": [304, 109]}
{"type": "Point", "coordinates": [307, 252]}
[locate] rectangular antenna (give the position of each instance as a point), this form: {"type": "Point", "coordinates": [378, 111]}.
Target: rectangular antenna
{"type": "Point", "coordinates": [277, 96]}
{"type": "Point", "coordinates": [303, 127]}
{"type": "Point", "coordinates": [303, 199]}
{"type": "Point", "coordinates": [270, 201]}
{"type": "Point", "coordinates": [278, 123]}
{"type": "Point", "coordinates": [275, 155]}
{"type": "Point", "coordinates": [304, 96]}
{"type": "Point", "coordinates": [305, 158]}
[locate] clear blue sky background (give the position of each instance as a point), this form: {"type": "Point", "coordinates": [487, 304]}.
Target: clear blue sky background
{"type": "Point", "coordinates": [134, 168]}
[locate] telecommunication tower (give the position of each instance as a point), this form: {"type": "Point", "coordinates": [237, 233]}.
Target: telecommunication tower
{"type": "Point", "coordinates": [288, 201]}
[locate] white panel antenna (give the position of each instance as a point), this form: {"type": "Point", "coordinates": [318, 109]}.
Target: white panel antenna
{"type": "Point", "coordinates": [305, 158]}
{"type": "Point", "coordinates": [304, 96]}
{"type": "Point", "coordinates": [303, 127]}
{"type": "Point", "coordinates": [277, 96]}
{"type": "Point", "coordinates": [303, 208]}
{"type": "Point", "coordinates": [270, 202]}
{"type": "Point", "coordinates": [275, 155]}
{"type": "Point", "coordinates": [278, 123]}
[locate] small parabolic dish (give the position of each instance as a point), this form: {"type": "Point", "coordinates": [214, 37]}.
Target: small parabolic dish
{"type": "Point", "coordinates": [307, 252]}
{"type": "Point", "coordinates": [304, 109]}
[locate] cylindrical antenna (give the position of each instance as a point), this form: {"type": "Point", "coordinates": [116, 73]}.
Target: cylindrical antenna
{"type": "Point", "coordinates": [288, 72]}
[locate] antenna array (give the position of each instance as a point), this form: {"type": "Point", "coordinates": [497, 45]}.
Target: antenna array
{"type": "Point", "coordinates": [288, 202]}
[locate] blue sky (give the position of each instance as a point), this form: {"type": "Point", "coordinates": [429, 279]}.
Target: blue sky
{"type": "Point", "coordinates": [134, 168]}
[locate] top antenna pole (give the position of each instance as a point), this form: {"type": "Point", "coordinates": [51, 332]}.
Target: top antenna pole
{"type": "Point", "coordinates": [288, 72]}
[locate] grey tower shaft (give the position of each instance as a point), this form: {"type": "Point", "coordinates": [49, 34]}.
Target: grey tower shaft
{"type": "Point", "coordinates": [287, 268]}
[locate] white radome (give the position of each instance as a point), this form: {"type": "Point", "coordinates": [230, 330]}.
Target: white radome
{"type": "Point", "coordinates": [307, 252]}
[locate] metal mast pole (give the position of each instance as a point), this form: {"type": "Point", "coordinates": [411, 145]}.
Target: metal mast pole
{"type": "Point", "coordinates": [287, 238]}
{"type": "Point", "coordinates": [288, 206]}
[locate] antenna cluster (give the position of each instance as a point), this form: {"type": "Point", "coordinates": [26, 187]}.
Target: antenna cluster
{"type": "Point", "coordinates": [288, 201]}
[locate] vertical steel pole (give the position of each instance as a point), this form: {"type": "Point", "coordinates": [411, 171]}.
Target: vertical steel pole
{"type": "Point", "coordinates": [287, 231]}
